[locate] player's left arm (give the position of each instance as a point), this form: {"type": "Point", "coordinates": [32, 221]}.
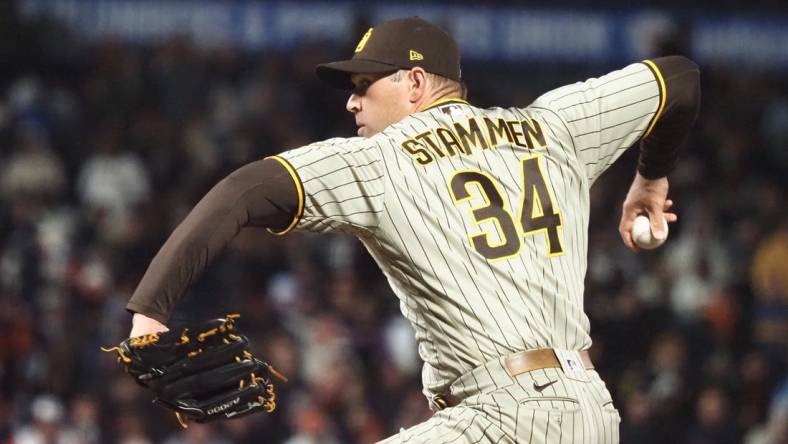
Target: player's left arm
{"type": "Point", "coordinates": [333, 185]}
{"type": "Point", "coordinates": [679, 80]}
{"type": "Point", "coordinates": [259, 194]}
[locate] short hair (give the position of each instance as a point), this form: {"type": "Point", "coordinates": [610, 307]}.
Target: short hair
{"type": "Point", "coordinates": [441, 85]}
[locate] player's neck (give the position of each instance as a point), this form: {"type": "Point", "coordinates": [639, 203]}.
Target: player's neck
{"type": "Point", "coordinates": [437, 99]}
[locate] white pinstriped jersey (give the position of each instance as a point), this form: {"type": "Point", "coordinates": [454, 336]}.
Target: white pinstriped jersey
{"type": "Point", "coordinates": [479, 217]}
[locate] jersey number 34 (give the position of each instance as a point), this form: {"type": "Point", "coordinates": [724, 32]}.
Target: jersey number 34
{"type": "Point", "coordinates": [538, 213]}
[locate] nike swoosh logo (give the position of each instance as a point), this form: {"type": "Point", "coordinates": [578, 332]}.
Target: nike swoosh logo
{"type": "Point", "coordinates": [539, 388]}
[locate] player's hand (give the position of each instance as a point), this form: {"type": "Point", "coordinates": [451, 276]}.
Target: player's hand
{"type": "Point", "coordinates": [143, 325]}
{"type": "Point", "coordinates": [203, 372]}
{"type": "Point", "coordinates": [649, 197]}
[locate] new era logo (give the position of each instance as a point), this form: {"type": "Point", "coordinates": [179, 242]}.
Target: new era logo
{"type": "Point", "coordinates": [363, 42]}
{"type": "Point", "coordinates": [414, 55]}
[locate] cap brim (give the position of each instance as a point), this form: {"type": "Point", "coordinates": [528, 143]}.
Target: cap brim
{"type": "Point", "coordinates": [337, 74]}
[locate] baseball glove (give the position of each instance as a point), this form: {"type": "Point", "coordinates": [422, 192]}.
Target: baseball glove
{"type": "Point", "coordinates": [203, 373]}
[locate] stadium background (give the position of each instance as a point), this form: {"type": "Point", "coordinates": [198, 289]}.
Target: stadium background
{"type": "Point", "coordinates": [113, 123]}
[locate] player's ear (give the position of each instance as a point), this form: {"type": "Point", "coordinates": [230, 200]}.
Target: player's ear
{"type": "Point", "coordinates": [417, 84]}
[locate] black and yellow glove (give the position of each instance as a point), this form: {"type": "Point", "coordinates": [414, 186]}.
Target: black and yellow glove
{"type": "Point", "coordinates": [203, 372]}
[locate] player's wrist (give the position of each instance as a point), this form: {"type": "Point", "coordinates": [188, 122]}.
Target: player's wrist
{"type": "Point", "coordinates": [143, 325]}
{"type": "Point", "coordinates": [647, 181]}
{"type": "Point", "coordinates": [653, 172]}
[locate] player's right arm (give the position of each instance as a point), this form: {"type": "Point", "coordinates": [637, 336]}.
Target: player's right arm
{"type": "Point", "coordinates": [659, 147]}
{"type": "Point", "coordinates": [654, 102]}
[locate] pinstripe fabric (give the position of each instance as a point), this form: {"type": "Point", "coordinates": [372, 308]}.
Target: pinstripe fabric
{"type": "Point", "coordinates": [511, 410]}
{"type": "Point", "coordinates": [393, 191]}
{"type": "Point", "coordinates": [606, 115]}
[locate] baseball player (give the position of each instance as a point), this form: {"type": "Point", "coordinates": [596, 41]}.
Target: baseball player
{"type": "Point", "coordinates": [477, 217]}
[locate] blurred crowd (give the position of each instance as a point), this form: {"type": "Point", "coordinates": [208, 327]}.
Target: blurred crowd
{"type": "Point", "coordinates": [105, 147]}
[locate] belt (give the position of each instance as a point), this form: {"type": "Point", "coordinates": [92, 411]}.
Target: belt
{"type": "Point", "coordinates": [529, 360]}
{"type": "Point", "coordinates": [517, 364]}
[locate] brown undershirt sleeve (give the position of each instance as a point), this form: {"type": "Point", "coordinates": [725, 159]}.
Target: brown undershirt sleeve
{"type": "Point", "coordinates": [679, 83]}
{"type": "Point", "coordinates": [260, 194]}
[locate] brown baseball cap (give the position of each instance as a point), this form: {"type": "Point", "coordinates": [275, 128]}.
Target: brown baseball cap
{"type": "Point", "coordinates": [393, 45]}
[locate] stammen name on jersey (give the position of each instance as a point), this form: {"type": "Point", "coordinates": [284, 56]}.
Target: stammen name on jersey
{"type": "Point", "coordinates": [445, 142]}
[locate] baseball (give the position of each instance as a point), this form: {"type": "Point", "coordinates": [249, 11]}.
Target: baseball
{"type": "Point", "coordinates": [642, 236]}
